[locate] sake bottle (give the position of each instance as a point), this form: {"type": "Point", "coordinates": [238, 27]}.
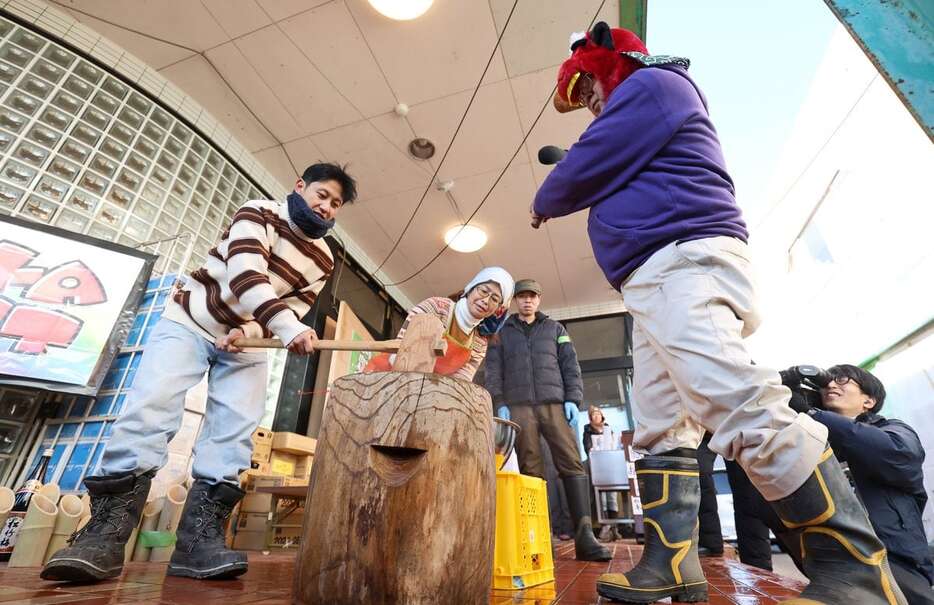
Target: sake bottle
{"type": "Point", "coordinates": [21, 502]}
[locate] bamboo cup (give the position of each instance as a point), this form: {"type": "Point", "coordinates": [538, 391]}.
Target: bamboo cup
{"type": "Point", "coordinates": [35, 533]}
{"type": "Point", "coordinates": [51, 491]}
{"type": "Point", "coordinates": [168, 520]}
{"type": "Point", "coordinates": [150, 519]}
{"type": "Point", "coordinates": [66, 522]}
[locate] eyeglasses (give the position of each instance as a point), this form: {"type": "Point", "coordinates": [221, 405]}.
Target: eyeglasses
{"type": "Point", "coordinates": [486, 292]}
{"type": "Point", "coordinates": [841, 379]}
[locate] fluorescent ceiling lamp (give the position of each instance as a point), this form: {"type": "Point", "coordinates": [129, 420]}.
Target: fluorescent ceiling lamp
{"type": "Point", "coordinates": [465, 238]}
{"type": "Point", "coordinates": [401, 10]}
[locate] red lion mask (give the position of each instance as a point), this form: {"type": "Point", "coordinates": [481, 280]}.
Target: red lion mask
{"type": "Point", "coordinates": [597, 53]}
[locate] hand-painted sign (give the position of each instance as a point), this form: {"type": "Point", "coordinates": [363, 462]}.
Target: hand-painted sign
{"type": "Point", "coordinates": [61, 296]}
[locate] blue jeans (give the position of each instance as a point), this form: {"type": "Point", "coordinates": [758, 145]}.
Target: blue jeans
{"type": "Point", "coordinates": [175, 360]}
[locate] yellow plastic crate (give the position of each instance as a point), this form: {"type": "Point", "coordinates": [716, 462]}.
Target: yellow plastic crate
{"type": "Point", "coordinates": [522, 556]}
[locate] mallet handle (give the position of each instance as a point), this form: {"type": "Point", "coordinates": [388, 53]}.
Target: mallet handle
{"type": "Point", "coordinates": [382, 346]}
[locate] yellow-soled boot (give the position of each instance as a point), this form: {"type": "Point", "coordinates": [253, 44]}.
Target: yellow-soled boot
{"type": "Point", "coordinates": [841, 554]}
{"type": "Point", "coordinates": [670, 492]}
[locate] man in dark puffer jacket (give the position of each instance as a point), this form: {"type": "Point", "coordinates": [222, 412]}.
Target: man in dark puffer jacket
{"type": "Point", "coordinates": [534, 378]}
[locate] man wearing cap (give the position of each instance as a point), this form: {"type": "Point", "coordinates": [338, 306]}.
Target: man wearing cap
{"type": "Point", "coordinates": [667, 232]}
{"type": "Point", "coordinates": [534, 379]}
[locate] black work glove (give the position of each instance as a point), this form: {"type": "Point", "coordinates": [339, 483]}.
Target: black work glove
{"type": "Point", "coordinates": [790, 377]}
{"type": "Point", "coordinates": [799, 402]}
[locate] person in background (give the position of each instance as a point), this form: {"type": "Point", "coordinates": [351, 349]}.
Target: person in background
{"type": "Point", "coordinates": [558, 511]}
{"type": "Point", "coordinates": [469, 321]}
{"type": "Point", "coordinates": [608, 501]}
{"type": "Point", "coordinates": [710, 539]}
{"type": "Point", "coordinates": [885, 459]}
{"type": "Point", "coordinates": [260, 280]}
{"type": "Point", "coordinates": [666, 229]}
{"type": "Point", "coordinates": [533, 376]}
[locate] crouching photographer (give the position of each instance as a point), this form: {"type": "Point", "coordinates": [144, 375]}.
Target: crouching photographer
{"type": "Point", "coordinates": [884, 458]}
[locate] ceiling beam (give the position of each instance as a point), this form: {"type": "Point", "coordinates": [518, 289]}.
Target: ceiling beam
{"type": "Point", "coordinates": [898, 37]}
{"type": "Point", "coordinates": [632, 16]}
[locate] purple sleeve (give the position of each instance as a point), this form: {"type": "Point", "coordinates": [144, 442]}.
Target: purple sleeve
{"type": "Point", "coordinates": [615, 147]}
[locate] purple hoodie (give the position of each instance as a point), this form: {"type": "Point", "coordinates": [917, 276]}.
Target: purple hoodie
{"type": "Point", "coordinates": [650, 169]}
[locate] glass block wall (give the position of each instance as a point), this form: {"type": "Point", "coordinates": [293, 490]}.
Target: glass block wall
{"type": "Point", "coordinates": [83, 150]}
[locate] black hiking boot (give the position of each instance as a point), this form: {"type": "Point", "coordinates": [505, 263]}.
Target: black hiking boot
{"type": "Point", "coordinates": [96, 551]}
{"type": "Point", "coordinates": [200, 551]}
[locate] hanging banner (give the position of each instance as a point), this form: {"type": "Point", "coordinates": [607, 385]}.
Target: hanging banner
{"type": "Point", "coordinates": [67, 302]}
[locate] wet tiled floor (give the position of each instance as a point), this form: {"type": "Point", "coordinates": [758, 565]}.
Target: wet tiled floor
{"type": "Point", "coordinates": [269, 581]}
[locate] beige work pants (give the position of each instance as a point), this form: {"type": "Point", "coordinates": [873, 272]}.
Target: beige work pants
{"type": "Point", "coordinates": [692, 305]}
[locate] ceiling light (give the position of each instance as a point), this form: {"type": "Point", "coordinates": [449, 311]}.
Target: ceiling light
{"type": "Point", "coordinates": [401, 10]}
{"type": "Point", "coordinates": [421, 148]}
{"type": "Point", "coordinates": [465, 238]}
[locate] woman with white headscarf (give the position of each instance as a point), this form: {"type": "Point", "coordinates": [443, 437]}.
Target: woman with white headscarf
{"type": "Point", "coordinates": [468, 322]}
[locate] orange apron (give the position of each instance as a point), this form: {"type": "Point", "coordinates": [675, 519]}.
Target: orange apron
{"type": "Point", "coordinates": [455, 357]}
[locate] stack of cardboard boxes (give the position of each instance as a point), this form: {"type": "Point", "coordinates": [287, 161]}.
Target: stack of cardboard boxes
{"type": "Point", "coordinates": [279, 460]}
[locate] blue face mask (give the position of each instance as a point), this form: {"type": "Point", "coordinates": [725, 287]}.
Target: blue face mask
{"type": "Point", "coordinates": [310, 223]}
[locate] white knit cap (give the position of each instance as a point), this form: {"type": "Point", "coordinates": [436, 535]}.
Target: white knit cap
{"type": "Point", "coordinates": [494, 274]}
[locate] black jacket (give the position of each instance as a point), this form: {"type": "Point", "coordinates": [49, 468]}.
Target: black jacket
{"type": "Point", "coordinates": [533, 364]}
{"type": "Point", "coordinates": [885, 458]}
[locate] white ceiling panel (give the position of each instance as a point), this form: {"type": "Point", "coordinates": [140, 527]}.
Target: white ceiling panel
{"type": "Point", "coordinates": [538, 33]}
{"type": "Point", "coordinates": [488, 137]}
{"type": "Point", "coordinates": [196, 77]}
{"type": "Point", "coordinates": [183, 22]}
{"type": "Point", "coordinates": [282, 9]}
{"type": "Point", "coordinates": [303, 153]}
{"type": "Point", "coordinates": [313, 102]}
{"type": "Point", "coordinates": [276, 162]}
{"type": "Point", "coordinates": [155, 53]}
{"type": "Point", "coordinates": [378, 166]}
{"type": "Point", "coordinates": [442, 52]}
{"type": "Point", "coordinates": [237, 19]}
{"type": "Point", "coordinates": [300, 81]}
{"type": "Point", "coordinates": [253, 90]}
{"type": "Point", "coordinates": [347, 61]}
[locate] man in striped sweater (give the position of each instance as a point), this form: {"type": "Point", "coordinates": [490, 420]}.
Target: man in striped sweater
{"type": "Point", "coordinates": [262, 277]}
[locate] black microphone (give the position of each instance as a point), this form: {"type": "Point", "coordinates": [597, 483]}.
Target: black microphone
{"type": "Point", "coordinates": [549, 154]}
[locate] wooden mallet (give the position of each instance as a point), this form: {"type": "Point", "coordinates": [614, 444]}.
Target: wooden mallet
{"type": "Point", "coordinates": [415, 351]}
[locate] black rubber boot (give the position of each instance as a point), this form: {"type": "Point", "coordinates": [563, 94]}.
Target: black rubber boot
{"type": "Point", "coordinates": [200, 551]}
{"type": "Point", "coordinates": [841, 554]}
{"type": "Point", "coordinates": [96, 551]}
{"type": "Point", "coordinates": [586, 546]}
{"type": "Point", "coordinates": [669, 567]}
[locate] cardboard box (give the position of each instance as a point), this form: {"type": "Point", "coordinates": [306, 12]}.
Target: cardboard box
{"type": "Point", "coordinates": [256, 503]}
{"type": "Point", "coordinates": [251, 481]}
{"type": "Point", "coordinates": [282, 463]}
{"type": "Point", "coordinates": [250, 522]}
{"type": "Point", "coordinates": [262, 436]}
{"type": "Point", "coordinates": [303, 467]}
{"type": "Point", "coordinates": [261, 453]}
{"type": "Point", "coordinates": [295, 518]}
{"type": "Point", "coordinates": [261, 468]}
{"type": "Point", "coordinates": [286, 537]}
{"type": "Point", "coordinates": [293, 443]}
{"type": "Point", "coordinates": [250, 540]}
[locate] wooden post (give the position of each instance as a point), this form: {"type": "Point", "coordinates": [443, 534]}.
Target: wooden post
{"type": "Point", "coordinates": [401, 505]}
